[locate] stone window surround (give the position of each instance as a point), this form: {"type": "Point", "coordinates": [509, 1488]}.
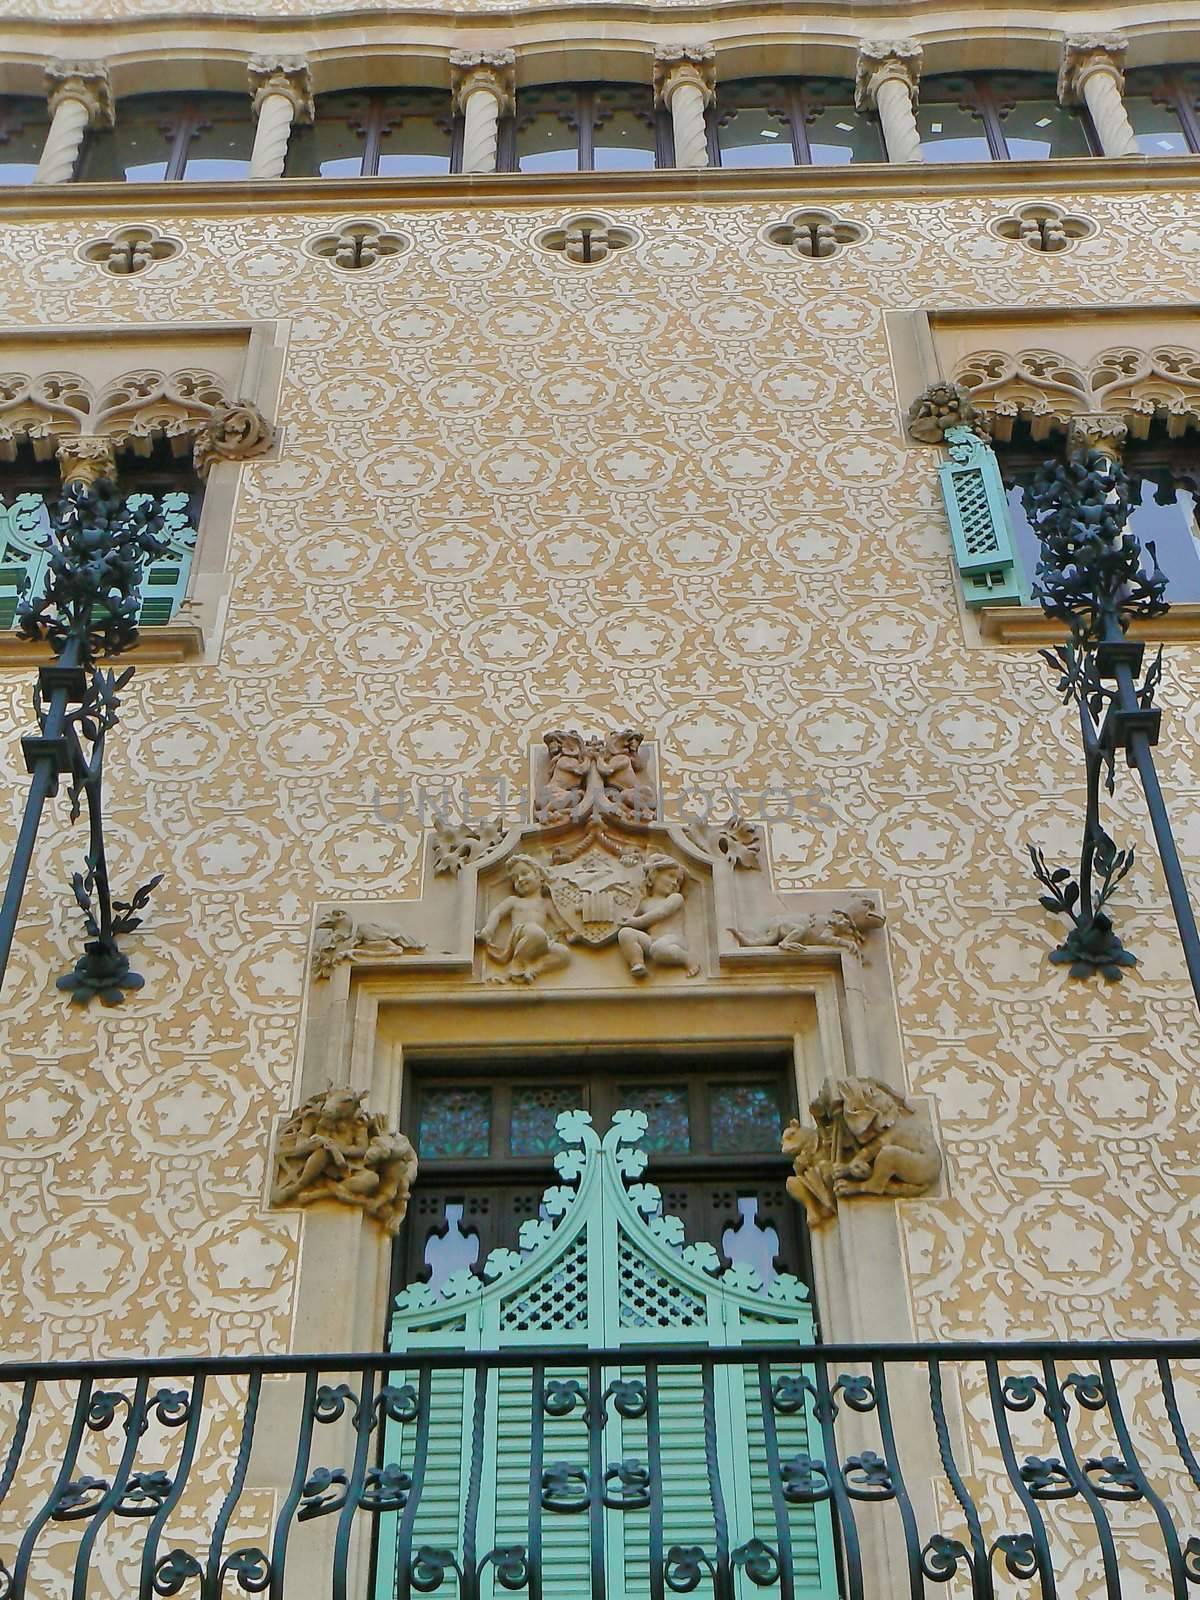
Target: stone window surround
{"type": "Point", "coordinates": [918, 361]}
{"type": "Point", "coordinates": [196, 630]}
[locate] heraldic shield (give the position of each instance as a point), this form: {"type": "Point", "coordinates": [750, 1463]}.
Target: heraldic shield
{"type": "Point", "coordinates": [598, 891]}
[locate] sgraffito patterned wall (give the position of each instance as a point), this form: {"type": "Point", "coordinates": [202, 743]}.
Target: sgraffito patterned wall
{"type": "Point", "coordinates": [668, 491]}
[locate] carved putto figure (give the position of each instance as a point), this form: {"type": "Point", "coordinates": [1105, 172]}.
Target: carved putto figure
{"type": "Point", "coordinates": [866, 1139]}
{"type": "Point", "coordinates": [654, 937]}
{"type": "Point", "coordinates": [533, 945]}
{"type": "Point", "coordinates": [340, 936]}
{"type": "Point", "coordinates": [595, 777]}
{"type": "Point", "coordinates": [332, 1148]}
{"type": "Point", "coordinates": [843, 927]}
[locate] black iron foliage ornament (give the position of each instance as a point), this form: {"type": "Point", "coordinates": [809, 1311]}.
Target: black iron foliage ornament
{"type": "Point", "coordinates": [1092, 575]}
{"type": "Point", "coordinates": [98, 543]}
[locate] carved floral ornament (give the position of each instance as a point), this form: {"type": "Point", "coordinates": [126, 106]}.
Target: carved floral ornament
{"type": "Point", "coordinates": [188, 408]}
{"type": "Point", "coordinates": [1047, 390]}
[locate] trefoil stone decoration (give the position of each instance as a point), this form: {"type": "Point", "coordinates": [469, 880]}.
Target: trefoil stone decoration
{"type": "Point", "coordinates": [357, 244]}
{"type": "Point", "coordinates": [1046, 228]}
{"type": "Point", "coordinates": [126, 251]}
{"type": "Point", "coordinates": [866, 1139]}
{"type": "Point", "coordinates": [814, 234]}
{"type": "Point", "coordinates": [586, 239]}
{"type": "Point", "coordinates": [843, 927]}
{"type": "Point", "coordinates": [595, 777]}
{"type": "Point", "coordinates": [233, 432]}
{"type": "Point", "coordinates": [341, 936]}
{"type": "Point", "coordinates": [937, 409]}
{"type": "Point", "coordinates": [333, 1148]}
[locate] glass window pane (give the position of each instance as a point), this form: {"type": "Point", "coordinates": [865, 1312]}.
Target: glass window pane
{"type": "Point", "coordinates": [1156, 127]}
{"type": "Point", "coordinates": [622, 128]}
{"type": "Point", "coordinates": [535, 1108]}
{"type": "Point", "coordinates": [838, 135]}
{"type": "Point", "coordinates": [334, 145]}
{"type": "Point", "coordinates": [950, 133]}
{"type": "Point", "coordinates": [548, 131]}
{"type": "Point", "coordinates": [455, 1123]}
{"type": "Point", "coordinates": [138, 148]}
{"type": "Point", "coordinates": [755, 136]}
{"type": "Point", "coordinates": [1036, 130]}
{"type": "Point", "coordinates": [745, 1118]}
{"type": "Point", "coordinates": [415, 133]}
{"type": "Point", "coordinates": [24, 124]}
{"type": "Point", "coordinates": [666, 1108]}
{"type": "Point", "coordinates": [222, 138]}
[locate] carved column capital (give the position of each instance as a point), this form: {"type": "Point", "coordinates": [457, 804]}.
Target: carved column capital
{"type": "Point", "coordinates": [1086, 53]}
{"type": "Point", "coordinates": [285, 75]}
{"type": "Point", "coordinates": [883, 61]}
{"type": "Point", "coordinates": [84, 81]}
{"type": "Point", "coordinates": [939, 407]}
{"type": "Point", "coordinates": [492, 71]}
{"type": "Point", "coordinates": [679, 64]}
{"type": "Point", "coordinates": [232, 433]}
{"type": "Point", "coordinates": [85, 458]}
{"type": "Point", "coordinates": [1106, 431]}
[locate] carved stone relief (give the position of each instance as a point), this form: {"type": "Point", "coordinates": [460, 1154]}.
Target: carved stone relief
{"type": "Point", "coordinates": [866, 1139]}
{"type": "Point", "coordinates": [332, 1148]}
{"type": "Point", "coordinates": [937, 408]}
{"type": "Point", "coordinates": [356, 244]}
{"type": "Point", "coordinates": [1046, 228]}
{"type": "Point", "coordinates": [843, 927]}
{"type": "Point", "coordinates": [126, 251]}
{"type": "Point", "coordinates": [586, 238]}
{"type": "Point", "coordinates": [814, 234]}
{"type": "Point", "coordinates": [607, 776]}
{"type": "Point", "coordinates": [341, 936]}
{"type": "Point", "coordinates": [233, 432]}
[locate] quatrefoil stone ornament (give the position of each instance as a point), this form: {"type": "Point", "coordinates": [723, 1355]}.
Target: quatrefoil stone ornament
{"type": "Point", "coordinates": [586, 239]}
{"type": "Point", "coordinates": [356, 244]}
{"type": "Point", "coordinates": [1046, 228]}
{"type": "Point", "coordinates": [815, 234]}
{"type": "Point", "coordinates": [130, 250]}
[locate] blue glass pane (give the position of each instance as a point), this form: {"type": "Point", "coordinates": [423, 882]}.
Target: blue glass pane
{"type": "Point", "coordinates": [535, 1108]}
{"type": "Point", "coordinates": [17, 171]}
{"type": "Point", "coordinates": [666, 1108]}
{"type": "Point", "coordinates": [455, 1123]}
{"type": "Point", "coordinates": [745, 1118]}
{"type": "Point", "coordinates": [753, 136]}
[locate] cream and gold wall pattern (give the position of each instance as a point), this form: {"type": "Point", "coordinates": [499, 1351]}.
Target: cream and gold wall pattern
{"type": "Point", "coordinates": [666, 490]}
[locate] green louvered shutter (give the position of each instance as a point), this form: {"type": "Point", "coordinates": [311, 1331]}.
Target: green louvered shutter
{"type": "Point", "coordinates": [165, 578]}
{"type": "Point", "coordinates": [23, 554]}
{"type": "Point", "coordinates": [600, 1269]}
{"type": "Point", "coordinates": [973, 492]}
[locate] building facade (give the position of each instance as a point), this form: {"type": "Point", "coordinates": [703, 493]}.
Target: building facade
{"type": "Point", "coordinates": [590, 665]}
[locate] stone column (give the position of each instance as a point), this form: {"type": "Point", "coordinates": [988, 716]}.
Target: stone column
{"type": "Point", "coordinates": [483, 88]}
{"type": "Point", "coordinates": [282, 90]}
{"type": "Point", "coordinates": [684, 82]}
{"type": "Point", "coordinates": [80, 98]}
{"type": "Point", "coordinates": [885, 80]}
{"type": "Point", "coordinates": [1092, 71]}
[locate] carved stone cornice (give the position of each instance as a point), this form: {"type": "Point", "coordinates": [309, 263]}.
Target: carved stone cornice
{"type": "Point", "coordinates": [885, 61]}
{"type": "Point", "coordinates": [85, 458]}
{"type": "Point", "coordinates": [85, 81]}
{"type": "Point", "coordinates": [678, 64]}
{"type": "Point", "coordinates": [1083, 53]}
{"type": "Point", "coordinates": [494, 71]}
{"type": "Point", "coordinates": [286, 75]}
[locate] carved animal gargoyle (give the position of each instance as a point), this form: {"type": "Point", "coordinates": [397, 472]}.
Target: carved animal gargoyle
{"type": "Point", "coordinates": [332, 1148]}
{"type": "Point", "coordinates": [843, 927]}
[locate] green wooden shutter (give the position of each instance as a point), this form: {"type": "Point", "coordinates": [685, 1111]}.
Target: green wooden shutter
{"type": "Point", "coordinates": [24, 526]}
{"type": "Point", "coordinates": [973, 492]}
{"type": "Point", "coordinates": [601, 1268]}
{"type": "Point", "coordinates": [165, 578]}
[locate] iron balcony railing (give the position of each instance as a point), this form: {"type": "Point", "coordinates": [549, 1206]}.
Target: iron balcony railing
{"type": "Point", "coordinates": [1052, 1469]}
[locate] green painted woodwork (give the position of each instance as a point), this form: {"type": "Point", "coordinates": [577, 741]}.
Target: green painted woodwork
{"type": "Point", "coordinates": [973, 492]}
{"type": "Point", "coordinates": [599, 1269]}
{"type": "Point", "coordinates": [165, 578]}
{"type": "Point", "coordinates": [23, 528]}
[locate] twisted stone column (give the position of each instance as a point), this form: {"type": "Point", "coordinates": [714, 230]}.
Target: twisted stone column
{"type": "Point", "coordinates": [1092, 70]}
{"type": "Point", "coordinates": [684, 82]}
{"type": "Point", "coordinates": [282, 90]}
{"type": "Point", "coordinates": [483, 89]}
{"type": "Point", "coordinates": [885, 80]}
{"type": "Point", "coordinates": [80, 98]}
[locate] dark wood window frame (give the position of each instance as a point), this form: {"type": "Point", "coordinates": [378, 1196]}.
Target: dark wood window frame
{"type": "Point", "coordinates": [14, 121]}
{"type": "Point", "coordinates": [189, 118]}
{"type": "Point", "coordinates": [380, 118]}
{"type": "Point", "coordinates": [583, 118]}
{"type": "Point", "coordinates": [797, 104]}
{"type": "Point", "coordinates": [1166, 87]}
{"type": "Point", "coordinates": [990, 96]}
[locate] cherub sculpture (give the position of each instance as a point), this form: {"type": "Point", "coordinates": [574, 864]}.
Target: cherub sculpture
{"type": "Point", "coordinates": [533, 945]}
{"type": "Point", "coordinates": [660, 910]}
{"type": "Point", "coordinates": [842, 927]}
{"type": "Point", "coordinates": [330, 1148]}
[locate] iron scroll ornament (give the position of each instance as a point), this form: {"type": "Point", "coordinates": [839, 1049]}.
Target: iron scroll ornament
{"type": "Point", "coordinates": [1092, 576]}
{"type": "Point", "coordinates": [98, 543]}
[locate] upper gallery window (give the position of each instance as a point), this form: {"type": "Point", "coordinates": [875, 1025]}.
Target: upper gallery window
{"type": "Point", "coordinates": [160, 138]}
{"type": "Point", "coordinates": [367, 133]}
{"type": "Point", "coordinates": [1164, 107]}
{"type": "Point", "coordinates": [24, 124]}
{"type": "Point", "coordinates": [590, 127]}
{"type": "Point", "coordinates": [999, 116]}
{"type": "Point", "coordinates": [779, 122]}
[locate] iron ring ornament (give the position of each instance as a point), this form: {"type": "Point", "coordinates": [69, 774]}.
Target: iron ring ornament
{"type": "Point", "coordinates": [1092, 575]}
{"type": "Point", "coordinates": [98, 542]}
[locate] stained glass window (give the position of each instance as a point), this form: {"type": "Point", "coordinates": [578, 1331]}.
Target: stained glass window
{"type": "Point", "coordinates": [534, 1110]}
{"type": "Point", "coordinates": [455, 1123]}
{"type": "Point", "coordinates": [745, 1118]}
{"type": "Point", "coordinates": [666, 1108]}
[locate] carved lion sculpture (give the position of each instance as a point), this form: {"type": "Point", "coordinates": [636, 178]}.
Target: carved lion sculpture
{"type": "Point", "coordinates": [896, 1152]}
{"type": "Point", "coordinates": [842, 927]}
